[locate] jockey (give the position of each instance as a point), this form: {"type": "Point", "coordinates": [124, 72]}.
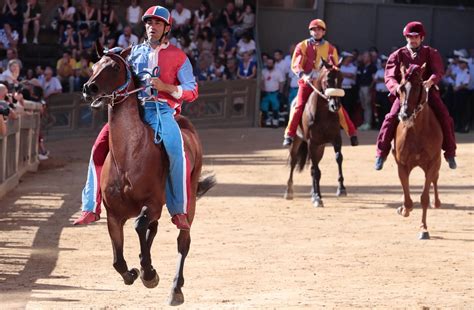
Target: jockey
{"type": "Point", "coordinates": [172, 83]}
{"type": "Point", "coordinates": [305, 63]}
{"type": "Point", "coordinates": [415, 53]}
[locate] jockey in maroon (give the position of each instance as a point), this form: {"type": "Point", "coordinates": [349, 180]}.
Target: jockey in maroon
{"type": "Point", "coordinates": [415, 53]}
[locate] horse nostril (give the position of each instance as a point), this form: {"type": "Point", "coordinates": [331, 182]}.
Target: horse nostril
{"type": "Point", "coordinates": [93, 89]}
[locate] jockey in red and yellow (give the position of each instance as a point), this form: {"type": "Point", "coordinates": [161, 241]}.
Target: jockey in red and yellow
{"type": "Point", "coordinates": [306, 63]}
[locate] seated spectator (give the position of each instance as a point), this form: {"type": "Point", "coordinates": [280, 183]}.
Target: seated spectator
{"type": "Point", "coordinates": [226, 46]}
{"type": "Point", "coordinates": [203, 17]}
{"type": "Point", "coordinates": [69, 38]}
{"type": "Point", "coordinates": [246, 45]}
{"type": "Point", "coordinates": [201, 72]}
{"type": "Point", "coordinates": [107, 38]}
{"type": "Point", "coordinates": [127, 38]}
{"type": "Point", "coordinates": [247, 67]}
{"type": "Point", "coordinates": [31, 18]}
{"type": "Point", "coordinates": [82, 72]}
{"type": "Point", "coordinates": [66, 13]}
{"type": "Point", "coordinates": [206, 42]}
{"type": "Point", "coordinates": [65, 68]}
{"type": "Point", "coordinates": [51, 85]}
{"type": "Point", "coordinates": [107, 15]}
{"type": "Point", "coordinates": [86, 38]}
{"type": "Point", "coordinates": [12, 14]}
{"type": "Point", "coordinates": [181, 17]}
{"type": "Point", "coordinates": [227, 18]}
{"type": "Point", "coordinates": [8, 37]}
{"type": "Point", "coordinates": [11, 75]}
{"type": "Point", "coordinates": [7, 109]}
{"type": "Point", "coordinates": [87, 14]}
{"type": "Point", "coordinates": [231, 69]}
{"type": "Point", "coordinates": [133, 17]}
{"type": "Point", "coordinates": [217, 70]}
{"type": "Point", "coordinates": [245, 22]}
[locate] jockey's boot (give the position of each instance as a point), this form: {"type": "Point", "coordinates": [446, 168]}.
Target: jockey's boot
{"type": "Point", "coordinates": [354, 141]}
{"type": "Point", "coordinates": [379, 161]}
{"type": "Point", "coordinates": [87, 217]}
{"type": "Point", "coordinates": [287, 141]}
{"type": "Point", "coordinates": [181, 221]}
{"type": "Point", "coordinates": [452, 162]}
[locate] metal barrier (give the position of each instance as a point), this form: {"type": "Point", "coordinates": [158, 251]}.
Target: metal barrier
{"type": "Point", "coordinates": [19, 148]}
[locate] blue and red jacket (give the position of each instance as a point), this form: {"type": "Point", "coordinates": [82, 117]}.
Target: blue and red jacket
{"type": "Point", "coordinates": [174, 68]}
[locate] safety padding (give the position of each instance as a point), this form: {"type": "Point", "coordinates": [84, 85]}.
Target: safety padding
{"type": "Point", "coordinates": [334, 92]}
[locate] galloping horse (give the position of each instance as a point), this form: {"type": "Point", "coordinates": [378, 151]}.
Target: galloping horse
{"type": "Point", "coordinates": [320, 123]}
{"type": "Point", "coordinates": [134, 174]}
{"type": "Point", "coordinates": [417, 141]}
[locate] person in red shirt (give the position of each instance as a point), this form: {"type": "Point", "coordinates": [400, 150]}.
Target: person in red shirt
{"type": "Point", "coordinates": [415, 53]}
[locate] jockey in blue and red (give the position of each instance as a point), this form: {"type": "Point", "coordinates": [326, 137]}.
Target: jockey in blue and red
{"type": "Point", "coordinates": [174, 84]}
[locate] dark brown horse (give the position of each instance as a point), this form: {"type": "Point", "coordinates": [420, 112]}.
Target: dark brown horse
{"type": "Point", "coordinates": [135, 171]}
{"type": "Point", "coordinates": [320, 124]}
{"type": "Point", "coordinates": [417, 142]}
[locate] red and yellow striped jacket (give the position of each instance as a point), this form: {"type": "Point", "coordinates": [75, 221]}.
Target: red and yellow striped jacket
{"type": "Point", "coordinates": [307, 55]}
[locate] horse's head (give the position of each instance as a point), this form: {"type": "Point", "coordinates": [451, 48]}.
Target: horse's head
{"type": "Point", "coordinates": [412, 94]}
{"type": "Point", "coordinates": [330, 81]}
{"type": "Point", "coordinates": [110, 77]}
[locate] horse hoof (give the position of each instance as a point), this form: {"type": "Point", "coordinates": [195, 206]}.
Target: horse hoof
{"type": "Point", "coordinates": [424, 235]}
{"type": "Point", "coordinates": [403, 211]}
{"type": "Point", "coordinates": [130, 276]}
{"type": "Point", "coordinates": [341, 192]}
{"type": "Point", "coordinates": [150, 283]}
{"type": "Point", "coordinates": [288, 196]}
{"type": "Point", "coordinates": [318, 203]}
{"type": "Point", "coordinates": [176, 299]}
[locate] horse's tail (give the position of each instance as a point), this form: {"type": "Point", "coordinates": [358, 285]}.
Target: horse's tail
{"type": "Point", "coordinates": [205, 184]}
{"type": "Point", "coordinates": [302, 156]}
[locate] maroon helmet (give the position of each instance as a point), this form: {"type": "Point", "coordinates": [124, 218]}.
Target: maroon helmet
{"type": "Point", "coordinates": [414, 29]}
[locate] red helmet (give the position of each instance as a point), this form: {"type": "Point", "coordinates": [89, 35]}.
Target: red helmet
{"type": "Point", "coordinates": [413, 29]}
{"type": "Point", "coordinates": [317, 23]}
{"type": "Point", "coordinates": [158, 12]}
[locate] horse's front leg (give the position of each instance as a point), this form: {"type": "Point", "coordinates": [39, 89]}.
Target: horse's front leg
{"type": "Point", "coordinates": [115, 227]}
{"type": "Point", "coordinates": [146, 231]}
{"type": "Point", "coordinates": [184, 242]}
{"type": "Point", "coordinates": [425, 201]}
{"type": "Point", "coordinates": [341, 190]}
{"type": "Point", "coordinates": [316, 153]}
{"type": "Point", "coordinates": [407, 207]}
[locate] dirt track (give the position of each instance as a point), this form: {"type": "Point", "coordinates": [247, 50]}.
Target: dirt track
{"type": "Point", "coordinates": [250, 248]}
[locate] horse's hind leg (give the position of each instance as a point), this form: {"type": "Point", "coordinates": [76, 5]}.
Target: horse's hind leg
{"type": "Point", "coordinates": [341, 190]}
{"type": "Point", "coordinates": [115, 227]}
{"type": "Point", "coordinates": [293, 161]}
{"type": "Point", "coordinates": [407, 207]}
{"type": "Point", "coordinates": [146, 234]}
{"type": "Point", "coordinates": [184, 242]}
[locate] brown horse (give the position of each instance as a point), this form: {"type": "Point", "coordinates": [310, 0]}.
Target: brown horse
{"type": "Point", "coordinates": [135, 171]}
{"type": "Point", "coordinates": [417, 142]}
{"type": "Point", "coordinates": [320, 124]}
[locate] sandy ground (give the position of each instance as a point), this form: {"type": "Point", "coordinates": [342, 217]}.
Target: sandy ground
{"type": "Point", "coordinates": [251, 248]}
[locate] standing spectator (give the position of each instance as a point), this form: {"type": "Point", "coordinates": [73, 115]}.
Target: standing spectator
{"type": "Point", "coordinates": [248, 67]}
{"type": "Point", "coordinates": [280, 63]}
{"type": "Point", "coordinates": [8, 37]}
{"type": "Point", "coordinates": [246, 44]}
{"type": "Point", "coordinates": [203, 17]}
{"type": "Point", "coordinates": [69, 38]}
{"type": "Point", "coordinates": [86, 38]}
{"type": "Point", "coordinates": [127, 38]}
{"type": "Point", "coordinates": [226, 46]}
{"type": "Point", "coordinates": [65, 69]}
{"type": "Point", "coordinates": [12, 15]}
{"type": "Point", "coordinates": [133, 17]}
{"type": "Point", "coordinates": [349, 72]}
{"type": "Point", "coordinates": [107, 15]}
{"type": "Point", "coordinates": [107, 37]}
{"type": "Point", "coordinates": [246, 22]}
{"type": "Point", "coordinates": [381, 93]}
{"type": "Point", "coordinates": [227, 19]}
{"type": "Point", "coordinates": [461, 96]}
{"type": "Point", "coordinates": [66, 13]}
{"type": "Point", "coordinates": [11, 75]}
{"type": "Point", "coordinates": [365, 78]}
{"type": "Point", "coordinates": [272, 84]}
{"type": "Point", "coordinates": [181, 19]}
{"type": "Point", "coordinates": [87, 14]}
{"type": "Point", "coordinates": [31, 17]}
{"type": "Point", "coordinates": [50, 83]}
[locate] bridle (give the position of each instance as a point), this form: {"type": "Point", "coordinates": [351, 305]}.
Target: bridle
{"type": "Point", "coordinates": [404, 105]}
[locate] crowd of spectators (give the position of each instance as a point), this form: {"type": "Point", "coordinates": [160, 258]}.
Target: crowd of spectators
{"type": "Point", "coordinates": [366, 96]}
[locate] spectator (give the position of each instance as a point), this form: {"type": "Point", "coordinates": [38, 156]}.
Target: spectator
{"type": "Point", "coordinates": [87, 14]}
{"type": "Point", "coordinates": [181, 17]}
{"type": "Point", "coordinates": [65, 68]}
{"type": "Point", "coordinates": [246, 45]}
{"type": "Point", "coordinates": [86, 38]}
{"type": "Point", "coordinates": [231, 69]}
{"type": "Point", "coordinates": [365, 77]}
{"type": "Point", "coordinates": [11, 14]}
{"type": "Point", "coordinates": [133, 17]}
{"type": "Point", "coordinates": [381, 93]}
{"type": "Point", "coordinates": [107, 37]}
{"type": "Point", "coordinates": [203, 17]}
{"type": "Point", "coordinates": [7, 109]}
{"type": "Point", "coordinates": [226, 46]}
{"type": "Point", "coordinates": [227, 19]}
{"type": "Point", "coordinates": [11, 75]}
{"type": "Point", "coordinates": [66, 13]}
{"type": "Point", "coordinates": [206, 42]}
{"type": "Point", "coordinates": [8, 37]}
{"type": "Point", "coordinates": [31, 18]}
{"type": "Point", "coordinates": [51, 85]}
{"type": "Point", "coordinates": [280, 63]}
{"type": "Point", "coordinates": [272, 84]}
{"type": "Point", "coordinates": [247, 67]}
{"type": "Point", "coordinates": [127, 38]}
{"type": "Point", "coordinates": [69, 38]}
{"type": "Point", "coordinates": [216, 71]}
{"type": "Point", "coordinates": [83, 71]}
{"type": "Point", "coordinates": [201, 71]}
{"type": "Point", "coordinates": [107, 15]}
{"type": "Point", "coordinates": [349, 72]}
{"type": "Point", "coordinates": [246, 22]}
{"type": "Point", "coordinates": [461, 96]}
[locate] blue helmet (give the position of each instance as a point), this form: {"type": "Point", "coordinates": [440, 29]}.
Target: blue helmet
{"type": "Point", "coordinates": [158, 12]}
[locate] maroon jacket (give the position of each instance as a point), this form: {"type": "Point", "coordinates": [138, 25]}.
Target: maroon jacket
{"type": "Point", "coordinates": [430, 56]}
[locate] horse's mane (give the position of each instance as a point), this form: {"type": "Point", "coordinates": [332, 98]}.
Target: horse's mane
{"type": "Point", "coordinates": [413, 71]}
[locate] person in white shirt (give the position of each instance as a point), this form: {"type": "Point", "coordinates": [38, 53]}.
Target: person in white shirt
{"type": "Point", "coordinates": [272, 84]}
{"type": "Point", "coordinates": [349, 72]}
{"type": "Point", "coordinates": [461, 97]}
{"type": "Point", "coordinates": [246, 44]}
{"type": "Point", "coordinates": [127, 38]}
{"type": "Point", "coordinates": [133, 16]}
{"type": "Point", "coordinates": [181, 19]}
{"type": "Point", "coordinates": [382, 102]}
{"type": "Point", "coordinates": [50, 84]}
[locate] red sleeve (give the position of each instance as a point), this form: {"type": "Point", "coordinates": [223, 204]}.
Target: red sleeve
{"type": "Point", "coordinates": [436, 66]}
{"type": "Point", "coordinates": [392, 73]}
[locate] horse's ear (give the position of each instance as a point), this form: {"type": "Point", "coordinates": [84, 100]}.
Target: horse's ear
{"type": "Point", "coordinates": [325, 63]}
{"type": "Point", "coordinates": [423, 67]}
{"type": "Point", "coordinates": [339, 64]}
{"type": "Point", "coordinates": [99, 49]}
{"type": "Point", "coordinates": [126, 52]}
